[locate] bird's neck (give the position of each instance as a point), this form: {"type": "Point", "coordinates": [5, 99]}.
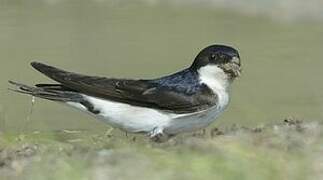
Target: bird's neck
{"type": "Point", "coordinates": [214, 77]}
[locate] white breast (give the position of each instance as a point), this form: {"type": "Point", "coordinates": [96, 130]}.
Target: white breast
{"type": "Point", "coordinates": [216, 79]}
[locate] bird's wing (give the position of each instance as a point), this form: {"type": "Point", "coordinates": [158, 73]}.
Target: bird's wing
{"type": "Point", "coordinates": [142, 93]}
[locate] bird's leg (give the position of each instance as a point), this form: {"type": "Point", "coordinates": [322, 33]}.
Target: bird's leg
{"type": "Point", "coordinates": [157, 135]}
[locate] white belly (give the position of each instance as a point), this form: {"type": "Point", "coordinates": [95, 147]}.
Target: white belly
{"type": "Point", "coordinates": [126, 117]}
{"type": "Point", "coordinates": [140, 119]}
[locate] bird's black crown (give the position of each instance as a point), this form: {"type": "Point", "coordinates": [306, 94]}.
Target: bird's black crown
{"type": "Point", "coordinates": [215, 54]}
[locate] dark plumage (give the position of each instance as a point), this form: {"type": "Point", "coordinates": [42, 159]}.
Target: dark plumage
{"type": "Point", "coordinates": [179, 93]}
{"type": "Point", "coordinates": [168, 93]}
{"type": "Point", "coordinates": [186, 81]}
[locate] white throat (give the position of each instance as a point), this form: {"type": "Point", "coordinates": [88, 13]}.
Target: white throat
{"type": "Point", "coordinates": [214, 77]}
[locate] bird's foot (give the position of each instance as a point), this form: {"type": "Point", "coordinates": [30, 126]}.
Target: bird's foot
{"type": "Point", "coordinates": [157, 135]}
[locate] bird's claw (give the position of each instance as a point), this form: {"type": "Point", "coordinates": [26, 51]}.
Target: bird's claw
{"type": "Point", "coordinates": [156, 135]}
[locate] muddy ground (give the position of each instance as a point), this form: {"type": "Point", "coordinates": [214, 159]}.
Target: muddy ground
{"type": "Point", "coordinates": [291, 149]}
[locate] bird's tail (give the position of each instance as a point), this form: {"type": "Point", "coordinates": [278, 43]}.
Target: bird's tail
{"type": "Point", "coordinates": [54, 92]}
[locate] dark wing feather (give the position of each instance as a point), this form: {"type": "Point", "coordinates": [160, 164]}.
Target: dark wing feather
{"type": "Point", "coordinates": [143, 93]}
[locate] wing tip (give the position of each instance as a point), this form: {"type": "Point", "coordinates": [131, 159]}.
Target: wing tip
{"type": "Point", "coordinates": [11, 82]}
{"type": "Point", "coordinates": [43, 68]}
{"type": "Point", "coordinates": [36, 64]}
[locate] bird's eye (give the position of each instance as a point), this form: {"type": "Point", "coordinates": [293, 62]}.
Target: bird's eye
{"type": "Point", "coordinates": [212, 57]}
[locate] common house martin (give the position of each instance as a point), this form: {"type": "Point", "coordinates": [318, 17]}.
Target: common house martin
{"type": "Point", "coordinates": [185, 101]}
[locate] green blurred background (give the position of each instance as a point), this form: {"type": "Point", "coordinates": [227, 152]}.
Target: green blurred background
{"type": "Point", "coordinates": [280, 43]}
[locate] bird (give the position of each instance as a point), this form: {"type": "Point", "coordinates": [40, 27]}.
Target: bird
{"type": "Point", "coordinates": [185, 101]}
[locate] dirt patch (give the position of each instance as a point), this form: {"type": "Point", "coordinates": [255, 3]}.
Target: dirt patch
{"type": "Point", "coordinates": [14, 159]}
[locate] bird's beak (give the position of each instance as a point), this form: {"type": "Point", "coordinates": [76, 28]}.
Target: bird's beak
{"type": "Point", "coordinates": [235, 66]}
{"type": "Point", "coordinates": [232, 68]}
{"type": "Point", "coordinates": [236, 60]}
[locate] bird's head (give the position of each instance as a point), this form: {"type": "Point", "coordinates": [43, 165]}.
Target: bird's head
{"type": "Point", "coordinates": [218, 60]}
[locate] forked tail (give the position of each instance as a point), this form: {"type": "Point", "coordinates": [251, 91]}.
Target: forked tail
{"type": "Point", "coordinates": [54, 92]}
